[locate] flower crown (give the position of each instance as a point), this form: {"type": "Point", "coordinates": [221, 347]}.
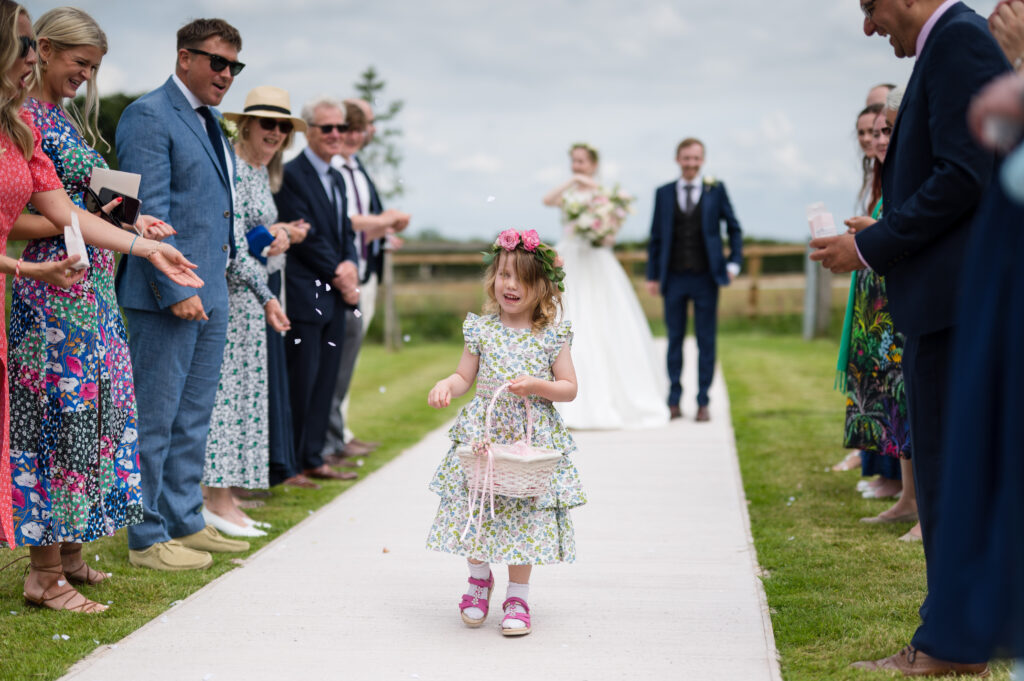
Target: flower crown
{"type": "Point", "coordinates": [510, 240]}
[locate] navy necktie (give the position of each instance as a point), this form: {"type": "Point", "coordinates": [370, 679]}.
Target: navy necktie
{"type": "Point", "coordinates": [213, 132]}
{"type": "Point", "coordinates": [339, 190]}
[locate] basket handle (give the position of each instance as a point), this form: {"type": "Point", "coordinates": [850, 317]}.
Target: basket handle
{"type": "Point", "coordinates": [490, 412]}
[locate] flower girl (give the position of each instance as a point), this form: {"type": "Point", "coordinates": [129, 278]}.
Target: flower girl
{"type": "Point", "coordinates": [520, 345]}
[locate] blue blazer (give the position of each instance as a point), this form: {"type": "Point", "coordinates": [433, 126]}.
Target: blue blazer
{"type": "Point", "coordinates": [160, 137]}
{"type": "Point", "coordinates": [934, 175]}
{"type": "Point", "coordinates": [302, 196]}
{"type": "Point", "coordinates": [715, 208]}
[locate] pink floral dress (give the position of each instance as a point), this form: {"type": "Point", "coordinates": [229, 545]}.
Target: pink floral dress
{"type": "Point", "coordinates": [74, 443]}
{"type": "Point", "coordinates": [19, 179]}
{"type": "Point", "coordinates": [533, 531]}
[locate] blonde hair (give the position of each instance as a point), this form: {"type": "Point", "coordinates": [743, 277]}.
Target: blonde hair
{"type": "Point", "coordinates": [11, 96]}
{"type": "Point", "coordinates": [275, 166]}
{"type": "Point", "coordinates": [66, 28]}
{"type": "Point", "coordinates": [544, 294]}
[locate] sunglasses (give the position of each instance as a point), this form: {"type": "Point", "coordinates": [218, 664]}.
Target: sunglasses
{"type": "Point", "coordinates": [269, 124]}
{"type": "Point", "coordinates": [326, 129]}
{"type": "Point", "coordinates": [26, 45]}
{"type": "Point", "coordinates": [219, 63]}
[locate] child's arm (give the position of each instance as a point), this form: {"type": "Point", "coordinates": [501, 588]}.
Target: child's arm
{"type": "Point", "coordinates": [562, 389]}
{"type": "Point", "coordinates": [457, 384]}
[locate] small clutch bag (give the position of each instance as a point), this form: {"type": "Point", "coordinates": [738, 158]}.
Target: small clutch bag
{"type": "Point", "coordinates": [259, 238]}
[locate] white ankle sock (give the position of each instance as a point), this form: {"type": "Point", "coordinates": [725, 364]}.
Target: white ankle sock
{"type": "Point", "coordinates": [516, 591]}
{"type": "Point", "coordinates": [477, 571]}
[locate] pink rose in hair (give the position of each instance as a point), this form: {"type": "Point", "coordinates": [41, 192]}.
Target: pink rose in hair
{"type": "Point", "coordinates": [531, 240]}
{"type": "Point", "coordinates": [558, 261]}
{"type": "Point", "coordinates": [509, 239]}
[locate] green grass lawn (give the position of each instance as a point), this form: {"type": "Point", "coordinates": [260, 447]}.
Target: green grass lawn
{"type": "Point", "coordinates": [391, 407]}
{"type": "Point", "coordinates": [839, 590]}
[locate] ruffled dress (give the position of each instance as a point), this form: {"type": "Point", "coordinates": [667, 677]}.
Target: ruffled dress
{"type": "Point", "coordinates": [535, 531]}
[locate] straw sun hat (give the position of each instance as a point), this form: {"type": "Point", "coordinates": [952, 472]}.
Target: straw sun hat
{"type": "Point", "coordinates": [267, 101]}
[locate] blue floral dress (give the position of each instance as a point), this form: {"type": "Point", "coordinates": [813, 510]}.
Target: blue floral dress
{"type": "Point", "coordinates": [74, 442]}
{"type": "Point", "coordinates": [533, 531]}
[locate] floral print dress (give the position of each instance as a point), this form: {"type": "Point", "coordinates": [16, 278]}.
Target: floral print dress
{"type": "Point", "coordinates": [74, 443]}
{"type": "Point", "coordinates": [533, 531]}
{"type": "Point", "coordinates": [237, 453]}
{"type": "Point", "coordinates": [876, 401]}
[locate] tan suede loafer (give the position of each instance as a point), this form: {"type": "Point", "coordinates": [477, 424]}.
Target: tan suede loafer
{"type": "Point", "coordinates": [209, 539]}
{"type": "Point", "coordinates": [170, 556]}
{"type": "Point", "coordinates": [912, 662]}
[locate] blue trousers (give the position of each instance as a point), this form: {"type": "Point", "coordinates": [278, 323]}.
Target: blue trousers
{"type": "Point", "coordinates": [680, 289]}
{"type": "Point", "coordinates": [176, 366]}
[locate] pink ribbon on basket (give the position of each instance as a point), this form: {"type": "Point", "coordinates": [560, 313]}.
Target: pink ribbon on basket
{"type": "Point", "coordinates": [481, 483]}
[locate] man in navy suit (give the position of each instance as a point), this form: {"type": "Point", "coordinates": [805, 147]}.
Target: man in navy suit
{"type": "Point", "coordinates": [322, 280]}
{"type": "Point", "coordinates": [932, 181]}
{"type": "Point", "coordinates": [685, 262]}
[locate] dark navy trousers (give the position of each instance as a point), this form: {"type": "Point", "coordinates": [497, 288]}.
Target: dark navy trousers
{"type": "Point", "coordinates": [680, 289]}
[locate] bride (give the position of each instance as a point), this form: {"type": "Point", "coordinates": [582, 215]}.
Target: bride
{"type": "Point", "coordinates": [622, 383]}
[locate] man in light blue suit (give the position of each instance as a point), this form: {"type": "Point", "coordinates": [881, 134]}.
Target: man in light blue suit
{"type": "Point", "coordinates": [172, 137]}
{"type": "Point", "coordinates": [685, 262]}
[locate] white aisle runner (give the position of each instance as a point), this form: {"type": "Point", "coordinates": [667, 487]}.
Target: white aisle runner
{"type": "Point", "coordinates": [663, 587]}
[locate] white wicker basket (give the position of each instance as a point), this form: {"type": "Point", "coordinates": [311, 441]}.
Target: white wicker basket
{"type": "Point", "coordinates": [518, 470]}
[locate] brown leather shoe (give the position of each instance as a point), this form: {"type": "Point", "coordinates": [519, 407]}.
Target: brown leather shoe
{"type": "Point", "coordinates": [912, 662]}
{"type": "Point", "coordinates": [324, 472]}
{"type": "Point", "coordinates": [356, 448]}
{"type": "Point", "coordinates": [674, 412]}
{"type": "Point", "coordinates": [368, 445]}
{"type": "Point", "coordinates": [339, 461]}
{"type": "Point", "coordinates": [301, 481]}
{"type": "Point", "coordinates": [703, 415]}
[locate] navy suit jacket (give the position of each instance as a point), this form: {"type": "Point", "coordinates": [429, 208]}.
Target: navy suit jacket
{"type": "Point", "coordinates": [302, 196]}
{"type": "Point", "coordinates": [160, 137]}
{"type": "Point", "coordinates": [715, 208]}
{"type": "Point", "coordinates": [934, 175]}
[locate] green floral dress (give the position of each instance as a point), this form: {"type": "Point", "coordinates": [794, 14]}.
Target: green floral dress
{"type": "Point", "coordinates": [237, 453]}
{"type": "Point", "coordinates": [533, 531]}
{"type": "Point", "coordinates": [876, 401]}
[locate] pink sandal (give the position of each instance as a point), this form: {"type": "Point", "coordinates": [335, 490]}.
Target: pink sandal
{"type": "Point", "coordinates": [471, 601]}
{"type": "Point", "coordinates": [512, 613]}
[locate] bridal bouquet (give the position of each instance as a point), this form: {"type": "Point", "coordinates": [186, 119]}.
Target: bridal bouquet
{"type": "Point", "coordinates": [598, 217]}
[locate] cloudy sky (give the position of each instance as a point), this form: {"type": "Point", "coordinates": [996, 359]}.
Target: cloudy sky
{"type": "Point", "coordinates": [496, 92]}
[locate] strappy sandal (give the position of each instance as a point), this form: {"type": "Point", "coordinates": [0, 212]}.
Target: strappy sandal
{"type": "Point", "coordinates": [83, 574]}
{"type": "Point", "coordinates": [511, 607]}
{"type": "Point", "coordinates": [61, 596]}
{"type": "Point", "coordinates": [471, 601]}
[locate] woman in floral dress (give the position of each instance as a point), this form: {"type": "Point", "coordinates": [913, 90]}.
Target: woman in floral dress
{"type": "Point", "coordinates": [72, 457]}
{"type": "Point", "coordinates": [237, 453]}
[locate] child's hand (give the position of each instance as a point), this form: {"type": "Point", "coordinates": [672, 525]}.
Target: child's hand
{"type": "Point", "coordinates": [440, 395]}
{"type": "Point", "coordinates": [524, 386]}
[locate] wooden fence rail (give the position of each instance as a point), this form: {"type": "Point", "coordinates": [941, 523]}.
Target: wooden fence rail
{"type": "Point", "coordinates": [754, 256]}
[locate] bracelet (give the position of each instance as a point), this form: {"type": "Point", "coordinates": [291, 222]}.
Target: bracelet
{"type": "Point", "coordinates": [133, 244]}
{"type": "Point", "coordinates": [17, 268]}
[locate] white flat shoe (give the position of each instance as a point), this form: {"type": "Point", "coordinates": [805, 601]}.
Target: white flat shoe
{"type": "Point", "coordinates": [229, 528]}
{"type": "Point", "coordinates": [259, 524]}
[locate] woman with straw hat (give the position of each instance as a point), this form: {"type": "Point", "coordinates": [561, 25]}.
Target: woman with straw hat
{"type": "Point", "coordinates": [237, 448]}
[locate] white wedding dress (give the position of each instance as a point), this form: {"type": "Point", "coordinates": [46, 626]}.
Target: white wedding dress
{"type": "Point", "coordinates": [621, 378]}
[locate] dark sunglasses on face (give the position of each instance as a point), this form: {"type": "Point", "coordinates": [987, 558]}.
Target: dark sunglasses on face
{"type": "Point", "coordinates": [269, 124]}
{"type": "Point", "coordinates": [326, 129]}
{"type": "Point", "coordinates": [26, 45]}
{"type": "Point", "coordinates": [219, 63]}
